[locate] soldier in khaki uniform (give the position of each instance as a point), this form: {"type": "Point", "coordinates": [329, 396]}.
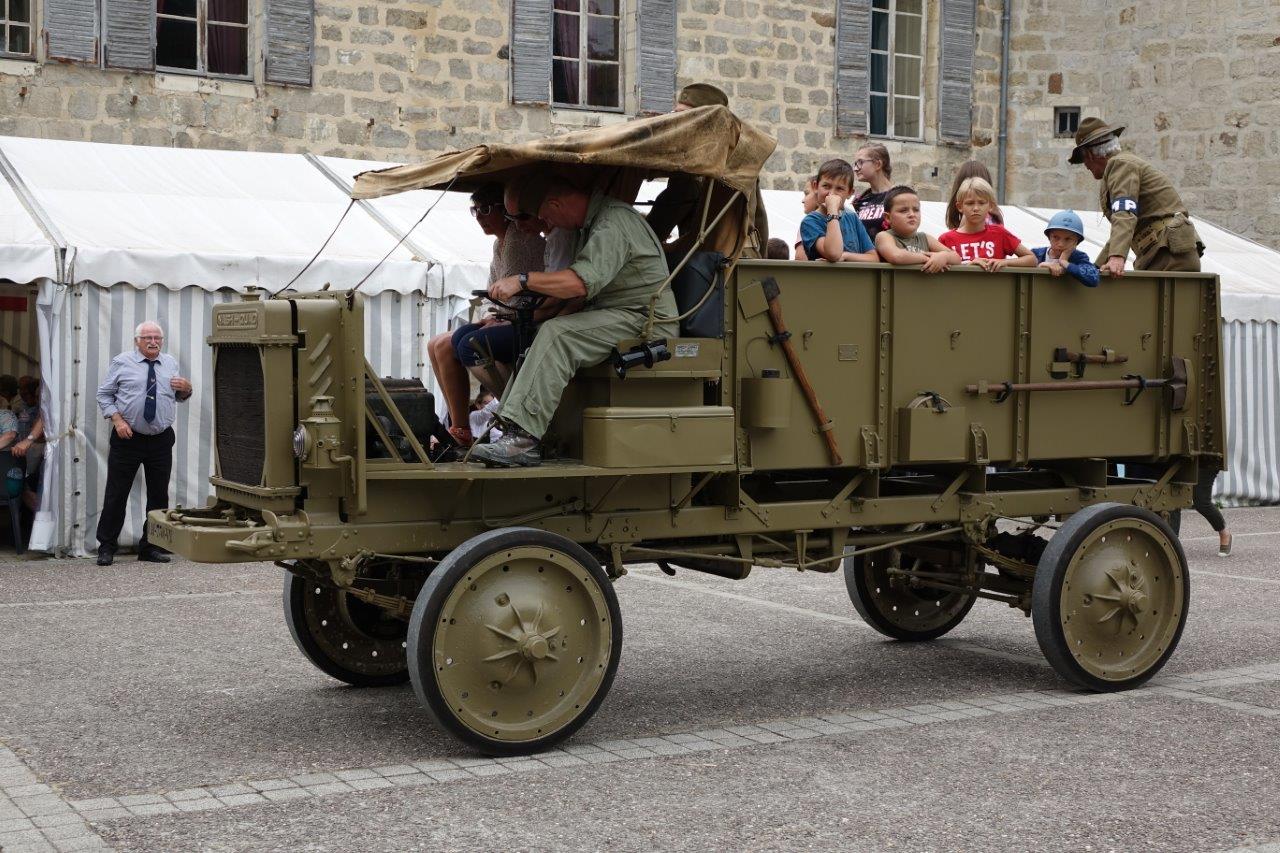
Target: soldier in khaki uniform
{"type": "Point", "coordinates": [618, 265]}
{"type": "Point", "coordinates": [680, 205]}
{"type": "Point", "coordinates": [1145, 211]}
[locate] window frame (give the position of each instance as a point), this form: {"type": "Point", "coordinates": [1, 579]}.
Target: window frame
{"type": "Point", "coordinates": [6, 23]}
{"type": "Point", "coordinates": [891, 54]}
{"type": "Point", "coordinates": [1059, 112]}
{"type": "Point", "coordinates": [584, 17]}
{"type": "Point", "coordinates": [202, 43]}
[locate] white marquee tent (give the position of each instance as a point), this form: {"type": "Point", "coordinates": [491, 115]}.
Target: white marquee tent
{"type": "Point", "coordinates": [110, 235]}
{"type": "Point", "coordinates": [105, 236]}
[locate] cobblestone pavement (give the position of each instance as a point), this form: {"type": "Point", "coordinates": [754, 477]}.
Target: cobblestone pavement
{"type": "Point", "coordinates": [165, 708]}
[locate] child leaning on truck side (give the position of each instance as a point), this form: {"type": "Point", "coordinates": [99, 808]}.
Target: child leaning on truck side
{"type": "Point", "coordinates": [1065, 232]}
{"type": "Point", "coordinates": [977, 240]}
{"type": "Point", "coordinates": [902, 243]}
{"type": "Point", "coordinates": [833, 232]}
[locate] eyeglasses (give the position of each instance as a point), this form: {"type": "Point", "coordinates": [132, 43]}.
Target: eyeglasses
{"type": "Point", "coordinates": [151, 337]}
{"type": "Point", "coordinates": [482, 209]}
{"type": "Point", "coordinates": [516, 217]}
{"type": "Point", "coordinates": [857, 164]}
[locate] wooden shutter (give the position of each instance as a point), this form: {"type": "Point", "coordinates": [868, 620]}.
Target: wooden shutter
{"type": "Point", "coordinates": [955, 91]}
{"type": "Point", "coordinates": [290, 41]}
{"type": "Point", "coordinates": [71, 29]}
{"type": "Point", "coordinates": [530, 51]}
{"type": "Point", "coordinates": [853, 65]}
{"type": "Point", "coordinates": [129, 40]}
{"type": "Point", "coordinates": [656, 60]}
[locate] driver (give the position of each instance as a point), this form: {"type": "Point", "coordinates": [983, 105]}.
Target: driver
{"type": "Point", "coordinates": [618, 265]}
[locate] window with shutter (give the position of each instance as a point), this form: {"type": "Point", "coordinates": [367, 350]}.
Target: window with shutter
{"type": "Point", "coordinates": [586, 54]}
{"type": "Point", "coordinates": [895, 106]}
{"type": "Point", "coordinates": [129, 33]}
{"type": "Point", "coordinates": [853, 53]}
{"type": "Point", "coordinates": [71, 27]}
{"type": "Point", "coordinates": [15, 28]}
{"type": "Point", "coordinates": [290, 41]}
{"type": "Point", "coordinates": [656, 55]}
{"type": "Point", "coordinates": [955, 90]}
{"type": "Point", "coordinates": [204, 36]}
{"type": "Point", "coordinates": [530, 51]}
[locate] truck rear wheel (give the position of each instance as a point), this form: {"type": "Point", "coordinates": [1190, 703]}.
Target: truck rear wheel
{"type": "Point", "coordinates": [343, 636]}
{"type": "Point", "coordinates": [514, 640]}
{"type": "Point", "coordinates": [897, 607]}
{"type": "Point", "coordinates": [1110, 597]}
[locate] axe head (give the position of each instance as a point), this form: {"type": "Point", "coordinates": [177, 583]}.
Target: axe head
{"type": "Point", "coordinates": [771, 289]}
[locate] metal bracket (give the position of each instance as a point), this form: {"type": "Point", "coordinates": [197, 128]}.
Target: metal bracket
{"type": "Point", "coordinates": [978, 444]}
{"type": "Point", "coordinates": [843, 494]}
{"type": "Point", "coordinates": [754, 508]}
{"type": "Point", "coordinates": [871, 447]}
{"type": "Point", "coordinates": [1131, 394]}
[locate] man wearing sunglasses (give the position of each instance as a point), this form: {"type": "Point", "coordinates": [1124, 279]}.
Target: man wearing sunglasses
{"type": "Point", "coordinates": [618, 266]}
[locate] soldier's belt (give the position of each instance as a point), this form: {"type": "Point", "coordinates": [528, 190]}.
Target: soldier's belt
{"type": "Point", "coordinates": [1149, 232]}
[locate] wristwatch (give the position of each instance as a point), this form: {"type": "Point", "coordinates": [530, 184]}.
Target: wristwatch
{"type": "Point", "coordinates": [831, 217]}
{"type": "Point", "coordinates": [524, 282]}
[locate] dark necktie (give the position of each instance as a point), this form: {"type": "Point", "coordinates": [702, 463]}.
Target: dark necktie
{"type": "Point", "coordinates": [149, 407]}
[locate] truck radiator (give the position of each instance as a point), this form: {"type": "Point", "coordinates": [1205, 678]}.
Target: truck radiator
{"type": "Point", "coordinates": [239, 413]}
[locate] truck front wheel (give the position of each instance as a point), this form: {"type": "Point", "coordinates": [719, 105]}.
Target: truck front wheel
{"type": "Point", "coordinates": [344, 637]}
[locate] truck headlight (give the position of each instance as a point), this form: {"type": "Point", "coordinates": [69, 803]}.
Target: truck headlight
{"type": "Point", "coordinates": [301, 442]}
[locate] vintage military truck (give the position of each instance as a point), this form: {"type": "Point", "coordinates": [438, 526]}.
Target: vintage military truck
{"type": "Point", "coordinates": [939, 438]}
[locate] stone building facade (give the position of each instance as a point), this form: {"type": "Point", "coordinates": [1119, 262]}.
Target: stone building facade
{"type": "Point", "coordinates": [399, 80]}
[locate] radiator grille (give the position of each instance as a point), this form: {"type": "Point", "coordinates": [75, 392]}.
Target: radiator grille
{"type": "Point", "coordinates": [238, 398]}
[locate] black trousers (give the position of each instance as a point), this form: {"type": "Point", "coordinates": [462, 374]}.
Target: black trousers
{"type": "Point", "coordinates": [155, 454]}
{"type": "Point", "coordinates": [1202, 502]}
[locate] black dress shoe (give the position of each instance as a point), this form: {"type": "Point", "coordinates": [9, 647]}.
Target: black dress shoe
{"type": "Point", "coordinates": [151, 555]}
{"type": "Point", "coordinates": [105, 555]}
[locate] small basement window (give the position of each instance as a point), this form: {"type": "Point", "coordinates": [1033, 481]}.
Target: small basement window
{"type": "Point", "coordinates": [204, 36]}
{"type": "Point", "coordinates": [15, 28]}
{"type": "Point", "coordinates": [1066, 121]}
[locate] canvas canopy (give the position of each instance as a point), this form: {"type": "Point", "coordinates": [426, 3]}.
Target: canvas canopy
{"type": "Point", "coordinates": [708, 142]}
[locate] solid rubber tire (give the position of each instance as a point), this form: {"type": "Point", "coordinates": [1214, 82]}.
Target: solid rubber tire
{"type": "Point", "coordinates": [431, 600]}
{"type": "Point", "coordinates": [1046, 593]}
{"type": "Point", "coordinates": [855, 580]}
{"type": "Point", "coordinates": [294, 596]}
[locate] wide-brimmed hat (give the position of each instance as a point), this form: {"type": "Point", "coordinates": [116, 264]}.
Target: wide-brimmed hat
{"type": "Point", "coordinates": [1091, 130]}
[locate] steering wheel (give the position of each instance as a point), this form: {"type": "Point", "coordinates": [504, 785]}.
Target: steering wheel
{"type": "Point", "coordinates": [527, 301]}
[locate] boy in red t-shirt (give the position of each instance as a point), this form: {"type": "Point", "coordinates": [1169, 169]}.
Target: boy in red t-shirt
{"type": "Point", "coordinates": [978, 241]}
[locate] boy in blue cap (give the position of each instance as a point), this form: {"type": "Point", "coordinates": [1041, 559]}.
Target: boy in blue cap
{"type": "Point", "coordinates": [1065, 232]}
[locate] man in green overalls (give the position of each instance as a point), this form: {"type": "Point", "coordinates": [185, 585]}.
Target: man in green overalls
{"type": "Point", "coordinates": [1145, 211]}
{"type": "Point", "coordinates": [618, 266]}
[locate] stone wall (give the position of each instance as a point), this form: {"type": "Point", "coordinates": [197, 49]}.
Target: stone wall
{"type": "Point", "coordinates": [1196, 82]}
{"type": "Point", "coordinates": [405, 80]}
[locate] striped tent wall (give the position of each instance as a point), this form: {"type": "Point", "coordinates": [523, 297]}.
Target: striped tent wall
{"type": "Point", "coordinates": [1251, 351]}
{"type": "Point", "coordinates": [89, 325]}
{"type": "Point", "coordinates": [19, 340]}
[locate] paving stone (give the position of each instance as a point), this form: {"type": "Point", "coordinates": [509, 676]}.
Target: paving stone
{"type": "Point", "coordinates": [89, 842]}
{"type": "Point", "coordinates": [684, 738]}
{"type": "Point", "coordinates": [21, 836]}
{"type": "Point", "coordinates": [285, 794]}
{"type": "Point", "coordinates": [58, 820]}
{"type": "Point", "coordinates": [99, 803]}
{"type": "Point", "coordinates": [106, 814]}
{"type": "Point", "coordinates": [309, 779]}
{"type": "Point", "coordinates": [601, 757]}
{"type": "Point", "coordinates": [564, 760]}
{"type": "Point", "coordinates": [141, 799]}
{"type": "Point", "coordinates": [188, 794]}
{"type": "Point", "coordinates": [473, 762]}
{"type": "Point", "coordinates": [636, 753]}
{"type": "Point", "coordinates": [767, 737]}
{"type": "Point", "coordinates": [521, 765]}
{"type": "Point", "coordinates": [396, 770]}
{"type": "Point", "coordinates": [230, 790]}
{"type": "Point", "coordinates": [409, 781]}
{"type": "Point", "coordinates": [329, 788]}
{"type": "Point", "coordinates": [15, 791]}
{"type": "Point", "coordinates": [615, 745]}
{"type": "Point", "coordinates": [272, 784]}
{"type": "Point", "coordinates": [432, 766]}
{"type": "Point", "coordinates": [369, 784]}
{"type": "Point", "coordinates": [242, 799]}
{"type": "Point", "coordinates": [16, 825]}
{"type": "Point", "coordinates": [352, 775]}
{"type": "Point", "coordinates": [457, 774]}
{"type": "Point", "coordinates": [153, 809]}
{"type": "Point", "coordinates": [489, 770]}
{"type": "Point", "coordinates": [66, 833]}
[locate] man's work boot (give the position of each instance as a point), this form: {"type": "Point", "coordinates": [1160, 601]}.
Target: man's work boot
{"type": "Point", "coordinates": [153, 555]}
{"type": "Point", "coordinates": [516, 449]}
{"type": "Point", "coordinates": [106, 554]}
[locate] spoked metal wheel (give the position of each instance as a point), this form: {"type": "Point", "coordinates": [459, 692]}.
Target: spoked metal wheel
{"type": "Point", "coordinates": [514, 640]}
{"type": "Point", "coordinates": [344, 637]}
{"type": "Point", "coordinates": [1110, 597]}
{"type": "Point", "coordinates": [900, 607]}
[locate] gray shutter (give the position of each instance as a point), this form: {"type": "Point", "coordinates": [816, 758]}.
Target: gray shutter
{"type": "Point", "coordinates": [129, 40]}
{"type": "Point", "coordinates": [290, 41]}
{"type": "Point", "coordinates": [530, 51]}
{"type": "Point", "coordinates": [955, 92]}
{"type": "Point", "coordinates": [656, 61]}
{"type": "Point", "coordinates": [853, 65]}
{"type": "Point", "coordinates": [71, 27]}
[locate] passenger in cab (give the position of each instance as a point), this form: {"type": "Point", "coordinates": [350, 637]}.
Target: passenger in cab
{"type": "Point", "coordinates": [833, 232]}
{"type": "Point", "coordinates": [514, 250]}
{"type": "Point", "coordinates": [873, 167]}
{"type": "Point", "coordinates": [902, 243]}
{"type": "Point", "coordinates": [969, 169]}
{"type": "Point", "coordinates": [618, 267]}
{"type": "Point", "coordinates": [977, 240]}
{"type": "Point", "coordinates": [1065, 232]}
